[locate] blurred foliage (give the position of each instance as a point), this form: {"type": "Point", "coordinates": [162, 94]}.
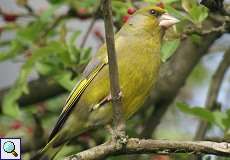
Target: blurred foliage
{"type": "Point", "coordinates": [199, 75]}
{"type": "Point", "coordinates": [48, 47]}
{"type": "Point", "coordinates": [221, 119]}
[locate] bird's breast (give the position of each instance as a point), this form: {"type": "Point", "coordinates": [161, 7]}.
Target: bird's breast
{"type": "Point", "coordinates": [138, 69]}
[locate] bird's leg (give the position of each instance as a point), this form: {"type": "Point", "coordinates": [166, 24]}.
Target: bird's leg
{"type": "Point", "coordinates": [102, 102]}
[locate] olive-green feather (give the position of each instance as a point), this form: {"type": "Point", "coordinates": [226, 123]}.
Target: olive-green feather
{"type": "Point", "coordinates": [138, 54]}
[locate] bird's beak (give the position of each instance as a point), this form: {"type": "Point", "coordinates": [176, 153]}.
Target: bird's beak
{"type": "Point", "coordinates": [167, 20]}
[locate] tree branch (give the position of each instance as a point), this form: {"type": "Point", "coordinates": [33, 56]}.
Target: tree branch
{"type": "Point", "coordinates": [213, 93]}
{"type": "Point", "coordinates": [118, 118]}
{"type": "Point", "coordinates": [224, 28]}
{"type": "Point", "coordinates": [141, 146]}
{"type": "Point", "coordinates": [40, 90]}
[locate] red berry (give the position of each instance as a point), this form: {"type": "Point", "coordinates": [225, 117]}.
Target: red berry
{"type": "Point", "coordinates": [16, 125]}
{"type": "Point", "coordinates": [82, 11]}
{"type": "Point", "coordinates": [125, 18]}
{"type": "Point", "coordinates": [97, 33]}
{"type": "Point", "coordinates": [161, 5]}
{"type": "Point", "coordinates": [9, 17]}
{"type": "Point", "coordinates": [131, 11]}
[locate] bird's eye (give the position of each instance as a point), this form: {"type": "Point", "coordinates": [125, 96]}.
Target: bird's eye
{"type": "Point", "coordinates": [155, 13]}
{"type": "Point", "coordinates": [152, 11]}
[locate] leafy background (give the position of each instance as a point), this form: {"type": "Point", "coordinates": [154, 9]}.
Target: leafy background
{"type": "Point", "coordinates": [43, 40]}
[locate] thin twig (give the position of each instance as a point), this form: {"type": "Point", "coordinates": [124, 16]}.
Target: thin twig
{"type": "Point", "coordinates": [118, 118]}
{"type": "Point", "coordinates": [87, 33]}
{"type": "Point", "coordinates": [90, 27]}
{"type": "Point", "coordinates": [141, 146]}
{"type": "Point", "coordinates": [213, 93]}
{"type": "Point", "coordinates": [51, 27]}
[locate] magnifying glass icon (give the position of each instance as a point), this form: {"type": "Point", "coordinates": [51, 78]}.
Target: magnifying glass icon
{"type": "Point", "coordinates": [9, 147]}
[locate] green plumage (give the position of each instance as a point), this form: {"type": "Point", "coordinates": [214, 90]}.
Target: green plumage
{"type": "Point", "coordinates": [138, 52]}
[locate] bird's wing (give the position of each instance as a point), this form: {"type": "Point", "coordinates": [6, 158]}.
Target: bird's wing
{"type": "Point", "coordinates": [92, 69]}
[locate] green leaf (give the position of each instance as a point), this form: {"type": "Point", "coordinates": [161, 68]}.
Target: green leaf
{"type": "Point", "coordinates": [120, 8]}
{"type": "Point", "coordinates": [119, 4]}
{"type": "Point", "coordinates": [198, 13]}
{"type": "Point", "coordinates": [10, 106]}
{"type": "Point", "coordinates": [220, 118]}
{"type": "Point", "coordinates": [30, 33]}
{"type": "Point", "coordinates": [175, 12]}
{"type": "Point", "coordinates": [226, 121]}
{"type": "Point", "coordinates": [65, 80]}
{"type": "Point", "coordinates": [217, 118]}
{"type": "Point", "coordinates": [48, 14]}
{"type": "Point", "coordinates": [74, 52]}
{"type": "Point", "coordinates": [64, 56]}
{"type": "Point", "coordinates": [73, 38]}
{"type": "Point", "coordinates": [187, 5]}
{"type": "Point", "coordinates": [87, 3]}
{"type": "Point", "coordinates": [168, 48]}
{"type": "Point", "coordinates": [86, 55]}
{"type": "Point", "coordinates": [196, 111]}
{"type": "Point", "coordinates": [45, 68]}
{"type": "Point", "coordinates": [55, 1]}
{"type": "Point", "coordinates": [15, 49]}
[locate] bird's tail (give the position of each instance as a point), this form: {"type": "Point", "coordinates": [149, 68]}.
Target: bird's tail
{"type": "Point", "coordinates": [48, 152]}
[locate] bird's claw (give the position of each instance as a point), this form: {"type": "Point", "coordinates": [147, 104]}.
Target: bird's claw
{"type": "Point", "coordinates": [123, 139]}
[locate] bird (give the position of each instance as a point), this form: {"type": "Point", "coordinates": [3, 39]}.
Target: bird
{"type": "Point", "coordinates": [88, 106]}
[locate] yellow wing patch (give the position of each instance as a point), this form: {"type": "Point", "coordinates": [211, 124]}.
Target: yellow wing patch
{"type": "Point", "coordinates": [79, 88]}
{"type": "Point", "coordinates": [74, 97]}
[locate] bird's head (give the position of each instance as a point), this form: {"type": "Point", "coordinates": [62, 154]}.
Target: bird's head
{"type": "Point", "coordinates": [151, 18]}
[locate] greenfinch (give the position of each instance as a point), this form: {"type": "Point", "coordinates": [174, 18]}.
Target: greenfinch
{"type": "Point", "coordinates": [137, 46]}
